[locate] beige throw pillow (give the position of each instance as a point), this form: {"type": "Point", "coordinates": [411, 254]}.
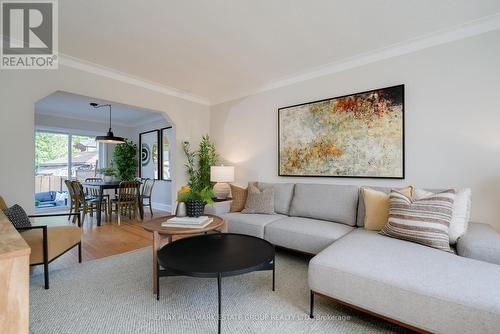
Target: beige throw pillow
{"type": "Point", "coordinates": [259, 201]}
{"type": "Point", "coordinates": [239, 198]}
{"type": "Point", "coordinates": [377, 207]}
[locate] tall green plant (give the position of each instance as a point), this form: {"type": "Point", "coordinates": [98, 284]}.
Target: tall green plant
{"type": "Point", "coordinates": [190, 165]}
{"type": "Point", "coordinates": [198, 170]}
{"type": "Point", "coordinates": [125, 160]}
{"type": "Point", "coordinates": [207, 156]}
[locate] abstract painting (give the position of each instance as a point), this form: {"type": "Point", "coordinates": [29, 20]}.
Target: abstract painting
{"type": "Point", "coordinates": [357, 135]}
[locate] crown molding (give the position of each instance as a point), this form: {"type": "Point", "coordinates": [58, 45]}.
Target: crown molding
{"type": "Point", "coordinates": [104, 71]}
{"type": "Point", "coordinates": [153, 118]}
{"type": "Point", "coordinates": [444, 36]}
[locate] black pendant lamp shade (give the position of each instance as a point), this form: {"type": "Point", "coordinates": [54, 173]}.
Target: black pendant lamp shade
{"type": "Point", "coordinates": [109, 138]}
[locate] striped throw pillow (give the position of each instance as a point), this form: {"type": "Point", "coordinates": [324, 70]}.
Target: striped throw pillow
{"type": "Point", "coordinates": [425, 220]}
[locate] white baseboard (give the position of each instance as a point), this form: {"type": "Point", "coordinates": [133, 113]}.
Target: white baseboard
{"type": "Point", "coordinates": [162, 207]}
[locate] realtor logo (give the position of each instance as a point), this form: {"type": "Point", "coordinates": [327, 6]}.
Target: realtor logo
{"type": "Point", "coordinates": [29, 35]}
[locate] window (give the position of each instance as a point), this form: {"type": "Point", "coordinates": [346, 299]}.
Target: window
{"type": "Point", "coordinates": [58, 157]}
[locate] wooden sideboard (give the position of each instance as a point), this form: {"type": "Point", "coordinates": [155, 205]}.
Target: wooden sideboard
{"type": "Point", "coordinates": [14, 280]}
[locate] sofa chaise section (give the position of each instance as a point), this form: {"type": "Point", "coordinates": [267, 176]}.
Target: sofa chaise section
{"type": "Point", "coordinates": [441, 292]}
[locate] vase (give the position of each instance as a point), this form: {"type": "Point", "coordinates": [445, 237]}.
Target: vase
{"type": "Point", "coordinates": [108, 178]}
{"type": "Point", "coordinates": [195, 208]}
{"type": "Point", "coordinates": [180, 211]}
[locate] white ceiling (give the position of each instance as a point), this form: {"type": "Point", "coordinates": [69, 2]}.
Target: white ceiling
{"type": "Point", "coordinates": [62, 104]}
{"type": "Point", "coordinates": [219, 49]}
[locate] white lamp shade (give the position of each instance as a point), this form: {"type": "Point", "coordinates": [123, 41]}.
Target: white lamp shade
{"type": "Point", "coordinates": [222, 173]}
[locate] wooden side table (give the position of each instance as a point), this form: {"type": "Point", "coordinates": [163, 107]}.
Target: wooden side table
{"type": "Point", "coordinates": [163, 234]}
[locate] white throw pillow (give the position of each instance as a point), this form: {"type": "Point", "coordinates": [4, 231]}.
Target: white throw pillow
{"type": "Point", "coordinates": [461, 212]}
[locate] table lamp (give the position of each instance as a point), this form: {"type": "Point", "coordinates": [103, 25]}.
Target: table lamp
{"type": "Point", "coordinates": [222, 175]}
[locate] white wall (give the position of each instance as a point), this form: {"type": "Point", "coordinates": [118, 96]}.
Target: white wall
{"type": "Point", "coordinates": [21, 89]}
{"type": "Point", "coordinates": [452, 120]}
{"type": "Point", "coordinates": [162, 190]}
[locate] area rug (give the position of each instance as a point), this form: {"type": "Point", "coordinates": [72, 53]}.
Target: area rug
{"type": "Point", "coordinates": [114, 295]}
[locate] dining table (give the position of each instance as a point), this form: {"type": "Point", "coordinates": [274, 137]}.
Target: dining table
{"type": "Point", "coordinates": [101, 186]}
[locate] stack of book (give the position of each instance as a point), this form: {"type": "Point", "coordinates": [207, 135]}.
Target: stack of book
{"type": "Point", "coordinates": [188, 222]}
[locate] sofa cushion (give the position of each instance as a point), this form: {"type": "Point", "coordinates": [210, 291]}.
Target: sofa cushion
{"type": "Point", "coordinates": [46, 196]}
{"type": "Point", "coordinates": [481, 242]}
{"type": "Point", "coordinates": [283, 193]}
{"type": "Point", "coordinates": [336, 203]}
{"type": "Point", "coordinates": [251, 224]}
{"type": "Point", "coordinates": [441, 292]}
{"type": "Point", "coordinates": [304, 234]}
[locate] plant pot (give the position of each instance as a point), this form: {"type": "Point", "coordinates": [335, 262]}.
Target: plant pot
{"type": "Point", "coordinates": [108, 178]}
{"type": "Point", "coordinates": [195, 208]}
{"type": "Point", "coordinates": [180, 211]}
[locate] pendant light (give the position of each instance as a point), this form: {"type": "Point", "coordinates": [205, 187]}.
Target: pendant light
{"type": "Point", "coordinates": [109, 138]}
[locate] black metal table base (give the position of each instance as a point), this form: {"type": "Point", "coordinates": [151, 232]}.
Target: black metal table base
{"type": "Point", "coordinates": [165, 272]}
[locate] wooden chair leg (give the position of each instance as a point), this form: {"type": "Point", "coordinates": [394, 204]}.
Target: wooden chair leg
{"type": "Point", "coordinates": [106, 210]}
{"type": "Point", "coordinates": [84, 214]}
{"type": "Point", "coordinates": [119, 213]}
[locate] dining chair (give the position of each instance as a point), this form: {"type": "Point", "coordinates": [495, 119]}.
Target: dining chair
{"type": "Point", "coordinates": [73, 203]}
{"type": "Point", "coordinates": [86, 203]}
{"type": "Point", "coordinates": [94, 192]}
{"type": "Point", "coordinates": [127, 200]}
{"type": "Point", "coordinates": [147, 190]}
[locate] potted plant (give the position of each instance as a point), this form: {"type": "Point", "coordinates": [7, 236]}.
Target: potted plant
{"type": "Point", "coordinates": [195, 200]}
{"type": "Point", "coordinates": [125, 160]}
{"type": "Point", "coordinates": [108, 173]}
{"type": "Point", "coordinates": [199, 190]}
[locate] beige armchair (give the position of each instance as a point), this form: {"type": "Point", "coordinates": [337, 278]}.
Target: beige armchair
{"type": "Point", "coordinates": [47, 243]}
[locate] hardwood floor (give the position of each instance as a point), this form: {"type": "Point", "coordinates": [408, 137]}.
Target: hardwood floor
{"type": "Point", "coordinates": [105, 240]}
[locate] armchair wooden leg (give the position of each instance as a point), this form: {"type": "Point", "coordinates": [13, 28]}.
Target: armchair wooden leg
{"type": "Point", "coordinates": [80, 252]}
{"type": "Point", "coordinates": [46, 275]}
{"type": "Point", "coordinates": [45, 258]}
{"type": "Point", "coordinates": [150, 208]}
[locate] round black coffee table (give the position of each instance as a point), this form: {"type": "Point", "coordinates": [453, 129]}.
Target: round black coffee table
{"type": "Point", "coordinates": [215, 255]}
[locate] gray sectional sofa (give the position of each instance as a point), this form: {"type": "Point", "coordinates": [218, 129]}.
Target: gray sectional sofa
{"type": "Point", "coordinates": [417, 286]}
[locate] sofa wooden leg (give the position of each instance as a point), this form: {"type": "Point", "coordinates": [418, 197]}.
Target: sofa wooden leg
{"type": "Point", "coordinates": [311, 309]}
